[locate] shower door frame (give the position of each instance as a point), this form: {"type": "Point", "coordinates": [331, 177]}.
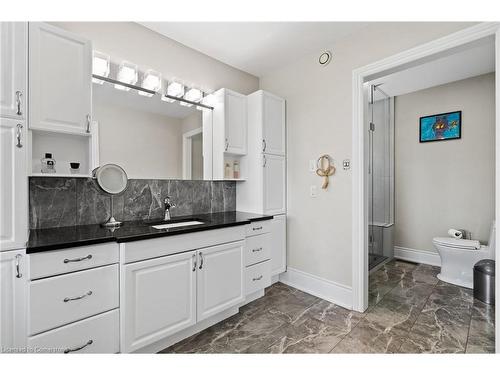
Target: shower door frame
{"type": "Point", "coordinates": [412, 57]}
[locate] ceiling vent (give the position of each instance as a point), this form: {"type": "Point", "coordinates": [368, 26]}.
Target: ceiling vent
{"type": "Point", "coordinates": [325, 58]}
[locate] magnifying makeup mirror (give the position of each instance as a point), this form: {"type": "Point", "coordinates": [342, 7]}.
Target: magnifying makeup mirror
{"type": "Point", "coordinates": [113, 180]}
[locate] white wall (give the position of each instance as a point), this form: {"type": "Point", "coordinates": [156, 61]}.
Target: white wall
{"type": "Point", "coordinates": [146, 145]}
{"type": "Point", "coordinates": [150, 50]}
{"type": "Point", "coordinates": [447, 184]}
{"type": "Point", "coordinates": [319, 120]}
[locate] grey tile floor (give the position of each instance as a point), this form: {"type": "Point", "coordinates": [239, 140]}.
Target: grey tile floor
{"type": "Point", "coordinates": [410, 311]}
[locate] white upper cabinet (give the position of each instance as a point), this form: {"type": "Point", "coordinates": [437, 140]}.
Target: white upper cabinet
{"type": "Point", "coordinates": [236, 123]}
{"type": "Point", "coordinates": [60, 80]}
{"type": "Point", "coordinates": [230, 122]}
{"type": "Point", "coordinates": [13, 289]}
{"type": "Point", "coordinates": [13, 185]}
{"type": "Point", "coordinates": [13, 69]}
{"type": "Point", "coordinates": [274, 184]}
{"type": "Point", "coordinates": [220, 278]}
{"type": "Point", "coordinates": [158, 299]}
{"type": "Point", "coordinates": [273, 124]}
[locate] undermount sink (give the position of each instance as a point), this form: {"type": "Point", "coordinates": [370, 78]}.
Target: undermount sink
{"type": "Point", "coordinates": [176, 225]}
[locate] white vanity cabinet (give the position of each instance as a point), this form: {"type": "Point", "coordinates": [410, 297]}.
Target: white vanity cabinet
{"type": "Point", "coordinates": [158, 299]}
{"type": "Point", "coordinates": [13, 291]}
{"type": "Point", "coordinates": [73, 300]}
{"type": "Point", "coordinates": [273, 184]}
{"type": "Point", "coordinates": [186, 279]}
{"type": "Point", "coordinates": [278, 244]}
{"type": "Point", "coordinates": [13, 69]}
{"type": "Point", "coordinates": [219, 278]}
{"type": "Point", "coordinates": [264, 191]}
{"type": "Point", "coordinates": [60, 80]}
{"type": "Point", "coordinates": [13, 185]}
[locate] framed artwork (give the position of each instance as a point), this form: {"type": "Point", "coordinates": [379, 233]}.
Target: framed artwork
{"type": "Point", "coordinates": [441, 127]}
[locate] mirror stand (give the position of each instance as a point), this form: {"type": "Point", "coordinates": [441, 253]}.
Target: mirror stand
{"type": "Point", "coordinates": [112, 222]}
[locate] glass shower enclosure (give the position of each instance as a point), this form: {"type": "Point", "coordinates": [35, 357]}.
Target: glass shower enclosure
{"type": "Point", "coordinates": [380, 177]}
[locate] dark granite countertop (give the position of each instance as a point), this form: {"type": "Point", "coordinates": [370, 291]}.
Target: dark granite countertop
{"type": "Point", "coordinates": [81, 235]}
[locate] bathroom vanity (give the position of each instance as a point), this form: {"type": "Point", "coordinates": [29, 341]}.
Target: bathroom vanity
{"type": "Point", "coordinates": [139, 288]}
{"type": "Point", "coordinates": [74, 286]}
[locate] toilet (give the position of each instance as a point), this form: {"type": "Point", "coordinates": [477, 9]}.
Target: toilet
{"type": "Point", "coordinates": [458, 257]}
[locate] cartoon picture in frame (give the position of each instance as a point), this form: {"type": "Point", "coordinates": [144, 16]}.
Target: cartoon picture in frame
{"type": "Point", "coordinates": [441, 127]}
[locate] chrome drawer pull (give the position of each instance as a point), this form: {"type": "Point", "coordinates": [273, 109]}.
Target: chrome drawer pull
{"type": "Point", "coordinates": [19, 94]}
{"type": "Point", "coordinates": [67, 299]}
{"type": "Point", "coordinates": [69, 350]}
{"type": "Point", "coordinates": [257, 278]}
{"type": "Point", "coordinates": [19, 135]}
{"type": "Point", "coordinates": [194, 262]}
{"type": "Point", "coordinates": [258, 228]}
{"type": "Point", "coordinates": [78, 259]}
{"type": "Point", "coordinates": [18, 266]}
{"type": "Point", "coordinates": [255, 250]}
{"type": "Point", "coordinates": [201, 260]}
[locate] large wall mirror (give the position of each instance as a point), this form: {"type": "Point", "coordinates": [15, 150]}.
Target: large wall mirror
{"type": "Point", "coordinates": [150, 137]}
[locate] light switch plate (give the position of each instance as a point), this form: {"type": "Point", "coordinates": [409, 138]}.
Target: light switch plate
{"type": "Point", "coordinates": [346, 164]}
{"type": "Point", "coordinates": [313, 191]}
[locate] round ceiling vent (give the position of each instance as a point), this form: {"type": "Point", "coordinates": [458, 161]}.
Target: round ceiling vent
{"type": "Point", "coordinates": [325, 58]}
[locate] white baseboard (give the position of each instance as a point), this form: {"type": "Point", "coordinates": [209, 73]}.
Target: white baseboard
{"type": "Point", "coordinates": [328, 290]}
{"type": "Point", "coordinates": [417, 256]}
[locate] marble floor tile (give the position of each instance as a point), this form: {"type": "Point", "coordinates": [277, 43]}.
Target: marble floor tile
{"type": "Point", "coordinates": [410, 311]}
{"type": "Point", "coordinates": [331, 314]}
{"type": "Point", "coordinates": [410, 292]}
{"type": "Point", "coordinates": [429, 344]}
{"type": "Point", "coordinates": [424, 273]}
{"type": "Point", "coordinates": [393, 316]}
{"type": "Point", "coordinates": [292, 308]}
{"type": "Point", "coordinates": [370, 337]}
{"type": "Point", "coordinates": [311, 336]}
{"type": "Point", "coordinates": [482, 329]}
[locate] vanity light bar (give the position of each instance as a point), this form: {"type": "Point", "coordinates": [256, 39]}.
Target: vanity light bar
{"type": "Point", "coordinates": [139, 88]}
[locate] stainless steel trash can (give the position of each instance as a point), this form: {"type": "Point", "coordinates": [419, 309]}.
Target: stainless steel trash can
{"type": "Point", "coordinates": [484, 281]}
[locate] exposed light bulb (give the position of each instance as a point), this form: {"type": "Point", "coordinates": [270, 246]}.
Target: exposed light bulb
{"type": "Point", "coordinates": [100, 66]}
{"type": "Point", "coordinates": [193, 95]}
{"type": "Point", "coordinates": [151, 81]}
{"type": "Point", "coordinates": [127, 73]}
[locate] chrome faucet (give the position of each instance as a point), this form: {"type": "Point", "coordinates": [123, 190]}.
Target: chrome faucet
{"type": "Point", "coordinates": [168, 206]}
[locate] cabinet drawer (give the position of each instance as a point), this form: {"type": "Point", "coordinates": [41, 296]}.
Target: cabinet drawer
{"type": "Point", "coordinates": [258, 227]}
{"type": "Point", "coordinates": [257, 277]}
{"type": "Point", "coordinates": [98, 334]}
{"type": "Point", "coordinates": [257, 249]}
{"type": "Point", "coordinates": [65, 299]}
{"type": "Point", "coordinates": [73, 259]}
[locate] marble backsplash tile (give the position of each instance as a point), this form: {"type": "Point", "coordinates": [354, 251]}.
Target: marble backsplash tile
{"type": "Point", "coordinates": [59, 202]}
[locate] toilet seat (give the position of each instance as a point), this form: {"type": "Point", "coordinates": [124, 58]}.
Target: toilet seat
{"type": "Point", "coordinates": [458, 243]}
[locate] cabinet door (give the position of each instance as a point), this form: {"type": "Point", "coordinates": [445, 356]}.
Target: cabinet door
{"type": "Point", "coordinates": [13, 185]}
{"type": "Point", "coordinates": [274, 184]}
{"type": "Point", "coordinates": [235, 123]}
{"type": "Point", "coordinates": [60, 79]}
{"type": "Point", "coordinates": [157, 299]}
{"type": "Point", "coordinates": [278, 244]}
{"type": "Point", "coordinates": [13, 277]}
{"type": "Point", "coordinates": [13, 70]}
{"type": "Point", "coordinates": [273, 131]}
{"type": "Point", "coordinates": [220, 278]}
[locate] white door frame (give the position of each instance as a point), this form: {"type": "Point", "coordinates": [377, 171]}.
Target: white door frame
{"type": "Point", "coordinates": [359, 183]}
{"type": "Point", "coordinates": [186, 152]}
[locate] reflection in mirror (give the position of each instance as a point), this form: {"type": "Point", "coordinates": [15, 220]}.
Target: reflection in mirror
{"type": "Point", "coordinates": [151, 138]}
